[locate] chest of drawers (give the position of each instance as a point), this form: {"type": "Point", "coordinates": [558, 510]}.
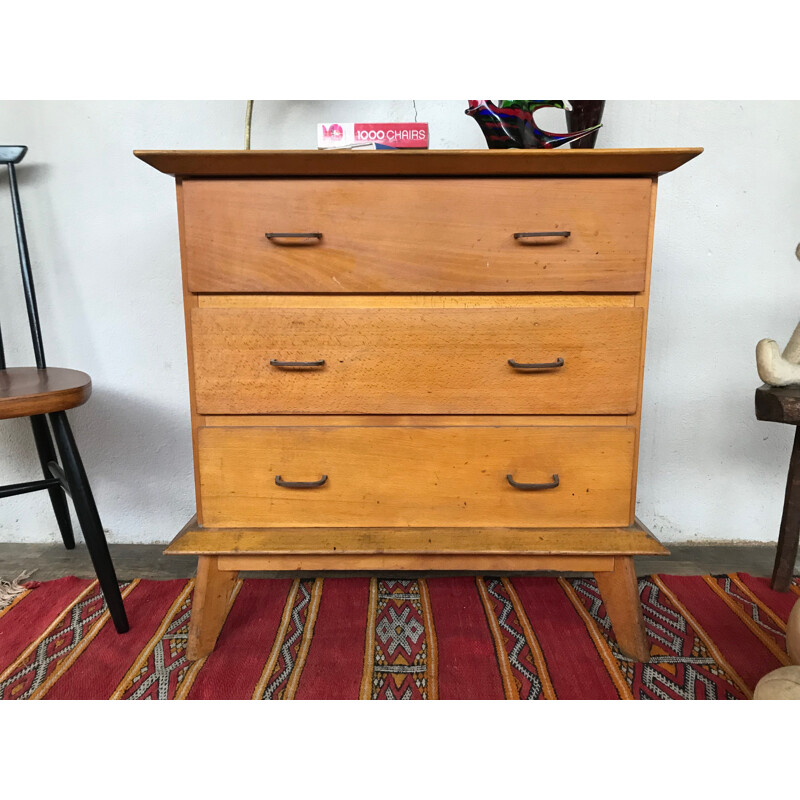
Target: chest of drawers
{"type": "Point", "coordinates": [416, 361]}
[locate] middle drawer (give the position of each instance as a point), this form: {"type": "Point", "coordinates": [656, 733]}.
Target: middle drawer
{"type": "Point", "coordinates": [412, 360]}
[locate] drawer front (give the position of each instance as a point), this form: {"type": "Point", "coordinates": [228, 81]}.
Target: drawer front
{"type": "Point", "coordinates": [416, 360]}
{"type": "Point", "coordinates": [415, 476]}
{"type": "Point", "coordinates": [417, 235]}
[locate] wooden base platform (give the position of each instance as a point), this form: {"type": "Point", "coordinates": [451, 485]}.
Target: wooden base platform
{"type": "Point", "coordinates": [606, 552]}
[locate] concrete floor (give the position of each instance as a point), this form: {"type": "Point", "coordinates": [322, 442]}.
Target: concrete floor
{"type": "Point", "coordinates": [148, 561]}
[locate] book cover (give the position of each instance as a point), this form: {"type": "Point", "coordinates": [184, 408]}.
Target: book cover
{"type": "Point", "coordinates": [358, 146]}
{"type": "Point", "coordinates": [394, 134]}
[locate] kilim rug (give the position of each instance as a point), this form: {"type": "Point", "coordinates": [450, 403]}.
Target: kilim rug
{"type": "Point", "coordinates": [532, 638]}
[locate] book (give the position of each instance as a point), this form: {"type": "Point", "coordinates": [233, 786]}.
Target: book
{"type": "Point", "coordinates": [358, 146]}
{"type": "Point", "coordinates": [393, 134]}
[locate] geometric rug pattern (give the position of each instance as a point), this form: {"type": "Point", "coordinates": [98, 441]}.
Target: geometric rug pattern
{"type": "Point", "coordinates": [484, 637]}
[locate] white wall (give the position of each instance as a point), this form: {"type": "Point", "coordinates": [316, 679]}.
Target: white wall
{"type": "Point", "coordinates": [103, 238]}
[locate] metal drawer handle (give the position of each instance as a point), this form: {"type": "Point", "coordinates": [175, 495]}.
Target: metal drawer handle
{"type": "Point", "coordinates": [300, 484]}
{"type": "Point", "coordinates": [530, 487]}
{"type": "Point", "coordinates": [312, 235]}
{"type": "Point", "coordinates": [559, 362]}
{"type": "Point", "coordinates": [541, 234]}
{"type": "Point", "coordinates": [303, 364]}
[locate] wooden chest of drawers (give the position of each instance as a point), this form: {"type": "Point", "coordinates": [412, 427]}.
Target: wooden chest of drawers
{"type": "Point", "coordinates": [414, 361]}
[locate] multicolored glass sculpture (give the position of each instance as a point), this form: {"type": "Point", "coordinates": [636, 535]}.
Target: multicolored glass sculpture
{"type": "Point", "coordinates": [511, 124]}
{"type": "Point", "coordinates": [584, 115]}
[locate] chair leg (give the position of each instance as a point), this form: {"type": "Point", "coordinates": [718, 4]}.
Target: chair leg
{"type": "Point", "coordinates": [89, 519]}
{"type": "Point", "coordinates": [47, 453]}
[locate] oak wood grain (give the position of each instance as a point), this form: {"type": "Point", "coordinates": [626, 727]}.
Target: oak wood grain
{"type": "Point", "coordinates": [417, 562]}
{"type": "Point", "coordinates": [444, 540]}
{"type": "Point", "coordinates": [557, 300]}
{"type": "Point", "coordinates": [412, 476]}
{"type": "Point", "coordinates": [416, 361]}
{"type": "Point", "coordinates": [253, 163]}
{"type": "Point", "coordinates": [212, 591]}
{"type": "Point", "coordinates": [642, 301]}
{"type": "Point", "coordinates": [620, 592]}
{"type": "Point", "coordinates": [416, 235]}
{"type": "Point", "coordinates": [416, 254]}
{"type": "Point", "coordinates": [189, 303]}
{"type": "Point", "coordinates": [414, 420]}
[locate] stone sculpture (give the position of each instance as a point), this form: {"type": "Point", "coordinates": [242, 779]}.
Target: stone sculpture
{"type": "Point", "coordinates": [776, 368]}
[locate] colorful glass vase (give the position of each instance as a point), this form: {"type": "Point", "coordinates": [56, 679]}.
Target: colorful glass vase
{"type": "Point", "coordinates": [585, 115]}
{"type": "Point", "coordinates": [511, 124]}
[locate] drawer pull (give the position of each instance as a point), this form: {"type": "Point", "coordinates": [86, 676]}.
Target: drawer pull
{"type": "Point", "coordinates": [559, 362]}
{"type": "Point", "coordinates": [541, 234]}
{"type": "Point", "coordinates": [531, 487]}
{"type": "Point", "coordinates": [279, 481]}
{"type": "Point", "coordinates": [302, 364]}
{"type": "Point", "coordinates": [272, 236]}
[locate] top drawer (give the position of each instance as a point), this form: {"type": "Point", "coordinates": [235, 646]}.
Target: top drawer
{"type": "Point", "coordinates": [417, 234]}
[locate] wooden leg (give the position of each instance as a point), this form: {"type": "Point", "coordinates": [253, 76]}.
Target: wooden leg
{"type": "Point", "coordinates": [212, 591]}
{"type": "Point", "coordinates": [790, 524]}
{"type": "Point", "coordinates": [620, 592]}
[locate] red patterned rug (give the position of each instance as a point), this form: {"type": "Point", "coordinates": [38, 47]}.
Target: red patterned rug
{"type": "Point", "coordinates": [711, 637]}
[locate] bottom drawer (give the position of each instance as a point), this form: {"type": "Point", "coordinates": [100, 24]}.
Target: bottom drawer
{"type": "Point", "coordinates": [416, 476]}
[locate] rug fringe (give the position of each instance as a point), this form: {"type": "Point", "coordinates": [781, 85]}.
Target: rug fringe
{"type": "Point", "coordinates": [10, 590]}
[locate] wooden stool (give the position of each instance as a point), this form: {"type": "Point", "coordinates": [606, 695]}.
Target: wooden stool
{"type": "Point", "coordinates": [782, 404]}
{"type": "Point", "coordinates": [42, 391]}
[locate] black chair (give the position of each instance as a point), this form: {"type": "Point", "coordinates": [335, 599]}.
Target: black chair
{"type": "Point", "coordinates": [38, 393]}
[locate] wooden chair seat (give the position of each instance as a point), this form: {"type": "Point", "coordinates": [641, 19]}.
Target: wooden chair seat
{"type": "Point", "coordinates": [25, 391]}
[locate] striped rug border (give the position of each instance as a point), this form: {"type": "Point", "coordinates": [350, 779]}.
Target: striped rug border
{"type": "Point", "coordinates": [746, 599]}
